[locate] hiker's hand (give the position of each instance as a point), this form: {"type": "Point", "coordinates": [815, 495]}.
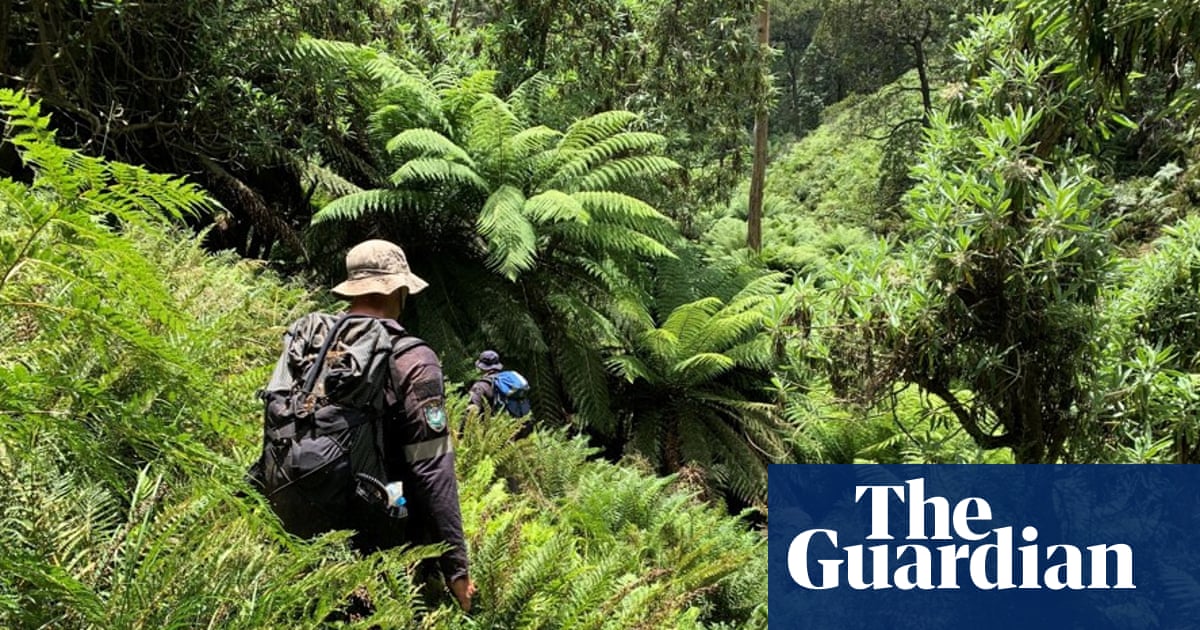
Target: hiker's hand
{"type": "Point", "coordinates": [463, 589]}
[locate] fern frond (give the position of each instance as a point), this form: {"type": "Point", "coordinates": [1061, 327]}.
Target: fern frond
{"type": "Point", "coordinates": [406, 99]}
{"type": "Point", "coordinates": [491, 124]}
{"type": "Point", "coordinates": [535, 573]}
{"type": "Point", "coordinates": [635, 607]}
{"type": "Point", "coordinates": [554, 206]}
{"type": "Point", "coordinates": [686, 319]}
{"type": "Point", "coordinates": [328, 180]}
{"type": "Point", "coordinates": [330, 51]}
{"type": "Point", "coordinates": [435, 170]}
{"type": "Point", "coordinates": [629, 367]}
{"type": "Point", "coordinates": [459, 97]}
{"type": "Point", "coordinates": [612, 240]}
{"type": "Point", "coordinates": [586, 383]}
{"type": "Point", "coordinates": [511, 240]}
{"type": "Point", "coordinates": [392, 73]}
{"type": "Point", "coordinates": [702, 367]}
{"type": "Point", "coordinates": [617, 172]}
{"type": "Point", "coordinates": [575, 162]}
{"type": "Point", "coordinates": [721, 333]}
{"type": "Point", "coordinates": [741, 470]}
{"type": "Point", "coordinates": [358, 205]}
{"type": "Point", "coordinates": [662, 343]}
{"type": "Point", "coordinates": [587, 589]}
{"type": "Point", "coordinates": [630, 302]}
{"type": "Point", "coordinates": [428, 143]}
{"type": "Point", "coordinates": [758, 353]}
{"type": "Point", "coordinates": [533, 140]}
{"type": "Point", "coordinates": [526, 98]}
{"type": "Point", "coordinates": [624, 210]}
{"type": "Point", "coordinates": [588, 131]}
{"type": "Point", "coordinates": [767, 285]}
{"type": "Point", "coordinates": [349, 162]}
{"type": "Point", "coordinates": [480, 82]}
{"type": "Point", "coordinates": [24, 125]}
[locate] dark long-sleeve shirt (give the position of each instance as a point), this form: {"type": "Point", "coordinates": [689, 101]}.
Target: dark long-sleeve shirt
{"type": "Point", "coordinates": [419, 453]}
{"type": "Point", "coordinates": [481, 394]}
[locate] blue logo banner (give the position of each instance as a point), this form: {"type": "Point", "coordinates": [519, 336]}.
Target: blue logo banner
{"type": "Point", "coordinates": [981, 547]}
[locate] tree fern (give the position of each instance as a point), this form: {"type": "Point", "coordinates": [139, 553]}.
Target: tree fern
{"type": "Point", "coordinates": [526, 99]}
{"type": "Point", "coordinates": [491, 125]}
{"type": "Point", "coordinates": [697, 352]}
{"type": "Point", "coordinates": [582, 369]}
{"type": "Point", "coordinates": [459, 95]}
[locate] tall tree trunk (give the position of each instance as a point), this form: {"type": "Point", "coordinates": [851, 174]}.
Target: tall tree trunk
{"type": "Point", "coordinates": [923, 75]}
{"type": "Point", "coordinates": [759, 172]}
{"type": "Point", "coordinates": [923, 65]}
{"type": "Point", "coordinates": [6, 21]}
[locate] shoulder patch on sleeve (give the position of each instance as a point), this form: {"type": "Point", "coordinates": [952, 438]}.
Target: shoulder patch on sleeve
{"type": "Point", "coordinates": [435, 417]}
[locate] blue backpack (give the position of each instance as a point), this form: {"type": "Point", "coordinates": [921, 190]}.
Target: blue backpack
{"type": "Point", "coordinates": [512, 391]}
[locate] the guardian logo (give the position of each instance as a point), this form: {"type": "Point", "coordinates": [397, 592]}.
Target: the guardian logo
{"type": "Point", "coordinates": [986, 558]}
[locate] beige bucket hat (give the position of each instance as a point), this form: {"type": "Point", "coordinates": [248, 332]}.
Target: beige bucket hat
{"type": "Point", "coordinates": [377, 266]}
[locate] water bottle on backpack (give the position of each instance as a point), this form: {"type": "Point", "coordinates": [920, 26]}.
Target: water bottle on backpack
{"type": "Point", "coordinates": [396, 503]}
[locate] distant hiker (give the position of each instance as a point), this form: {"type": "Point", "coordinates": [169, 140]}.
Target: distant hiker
{"type": "Point", "coordinates": [356, 402]}
{"type": "Point", "coordinates": [482, 392]}
{"type": "Point", "coordinates": [497, 388]}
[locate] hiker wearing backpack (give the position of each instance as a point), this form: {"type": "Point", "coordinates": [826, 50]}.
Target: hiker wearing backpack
{"type": "Point", "coordinates": [497, 388]}
{"type": "Point", "coordinates": [483, 391]}
{"type": "Point", "coordinates": [356, 405]}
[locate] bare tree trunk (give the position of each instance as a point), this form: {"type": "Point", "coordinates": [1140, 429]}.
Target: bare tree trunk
{"type": "Point", "coordinates": [922, 66]}
{"type": "Point", "coordinates": [454, 13]}
{"type": "Point", "coordinates": [5, 26]}
{"type": "Point", "coordinates": [923, 75]}
{"type": "Point", "coordinates": [759, 172]}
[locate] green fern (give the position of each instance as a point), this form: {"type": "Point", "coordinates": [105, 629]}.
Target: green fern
{"type": "Point", "coordinates": [512, 241]}
{"type": "Point", "coordinates": [437, 171]}
{"type": "Point", "coordinates": [698, 352]}
{"type": "Point", "coordinates": [589, 131]}
{"type": "Point", "coordinates": [367, 202]}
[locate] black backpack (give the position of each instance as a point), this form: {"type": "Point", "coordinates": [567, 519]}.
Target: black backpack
{"type": "Point", "coordinates": [322, 464]}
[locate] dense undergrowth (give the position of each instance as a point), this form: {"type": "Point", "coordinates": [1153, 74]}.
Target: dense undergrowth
{"type": "Point", "coordinates": [1006, 271]}
{"type": "Point", "coordinates": [129, 360]}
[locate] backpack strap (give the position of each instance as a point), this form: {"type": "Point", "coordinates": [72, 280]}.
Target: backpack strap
{"type": "Point", "coordinates": [314, 370]}
{"type": "Point", "coordinates": [400, 345]}
{"type": "Point", "coordinates": [406, 343]}
{"type": "Point", "coordinates": [497, 396]}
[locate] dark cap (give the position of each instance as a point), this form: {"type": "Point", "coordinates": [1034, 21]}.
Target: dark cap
{"type": "Point", "coordinates": [489, 360]}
